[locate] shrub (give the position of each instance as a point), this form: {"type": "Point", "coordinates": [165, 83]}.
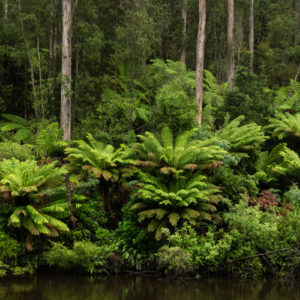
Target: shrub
{"type": "Point", "coordinates": [174, 260]}
{"type": "Point", "coordinates": [85, 256]}
{"type": "Point", "coordinates": [11, 149]}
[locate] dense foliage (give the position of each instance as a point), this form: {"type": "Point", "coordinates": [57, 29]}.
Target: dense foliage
{"type": "Point", "coordinates": [140, 186]}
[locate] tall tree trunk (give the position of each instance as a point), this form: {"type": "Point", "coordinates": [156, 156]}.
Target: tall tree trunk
{"type": "Point", "coordinates": [200, 58]}
{"type": "Point", "coordinates": [239, 38]}
{"type": "Point", "coordinates": [40, 78]}
{"type": "Point", "coordinates": [5, 13]}
{"type": "Point", "coordinates": [251, 36]}
{"type": "Point", "coordinates": [297, 37]}
{"type": "Point", "coordinates": [184, 16]}
{"type": "Point", "coordinates": [230, 43]}
{"type": "Point", "coordinates": [76, 83]}
{"type": "Point", "coordinates": [34, 92]}
{"type": "Point", "coordinates": [66, 69]}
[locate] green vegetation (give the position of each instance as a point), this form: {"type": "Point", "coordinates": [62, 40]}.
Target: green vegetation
{"type": "Point", "coordinates": [126, 178]}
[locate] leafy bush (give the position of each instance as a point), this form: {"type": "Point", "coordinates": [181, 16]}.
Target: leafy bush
{"type": "Point", "coordinates": [10, 150]}
{"type": "Point", "coordinates": [293, 195]}
{"type": "Point", "coordinates": [208, 251]}
{"type": "Point", "coordinates": [9, 249]}
{"type": "Point", "coordinates": [174, 260]}
{"type": "Point", "coordinates": [85, 256]}
{"type": "Point", "coordinates": [135, 243]}
{"type": "Point", "coordinates": [175, 108]}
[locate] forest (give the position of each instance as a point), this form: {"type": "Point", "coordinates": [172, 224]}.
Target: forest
{"type": "Point", "coordinates": [158, 136]}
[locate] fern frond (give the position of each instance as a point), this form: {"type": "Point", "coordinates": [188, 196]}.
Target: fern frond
{"type": "Point", "coordinates": [285, 125]}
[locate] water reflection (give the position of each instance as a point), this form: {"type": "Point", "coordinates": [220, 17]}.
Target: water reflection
{"type": "Point", "coordinates": [54, 287]}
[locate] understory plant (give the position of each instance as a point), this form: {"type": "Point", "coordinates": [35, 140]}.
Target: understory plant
{"type": "Point", "coordinates": [85, 256]}
{"type": "Point", "coordinates": [23, 184]}
{"type": "Point", "coordinates": [100, 161]}
{"type": "Point", "coordinates": [167, 202]}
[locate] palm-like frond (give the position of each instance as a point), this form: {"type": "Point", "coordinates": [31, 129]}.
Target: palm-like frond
{"type": "Point", "coordinates": [285, 125]}
{"type": "Point", "coordinates": [241, 138]}
{"type": "Point", "coordinates": [171, 156]}
{"type": "Point", "coordinates": [290, 164]}
{"type": "Point", "coordinates": [36, 221]}
{"type": "Point", "coordinates": [280, 161]}
{"type": "Point", "coordinates": [98, 159]}
{"type": "Point", "coordinates": [21, 178]}
{"type": "Point", "coordinates": [166, 203]}
{"type": "Point", "coordinates": [48, 140]}
{"type": "Point", "coordinates": [23, 130]}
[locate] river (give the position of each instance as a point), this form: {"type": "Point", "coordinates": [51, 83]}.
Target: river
{"type": "Point", "coordinates": [71, 287]}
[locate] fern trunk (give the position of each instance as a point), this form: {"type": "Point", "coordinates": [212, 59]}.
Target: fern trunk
{"type": "Point", "coordinates": [104, 192]}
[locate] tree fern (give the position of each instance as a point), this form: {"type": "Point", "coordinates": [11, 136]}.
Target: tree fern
{"type": "Point", "coordinates": [285, 100]}
{"type": "Point", "coordinates": [24, 182]}
{"type": "Point", "coordinates": [101, 161]}
{"type": "Point", "coordinates": [172, 154]}
{"type": "Point", "coordinates": [98, 159]}
{"type": "Point", "coordinates": [285, 125]}
{"type": "Point", "coordinates": [22, 178]}
{"type": "Point", "coordinates": [266, 162]}
{"type": "Point", "coordinates": [241, 138]}
{"type": "Point", "coordinates": [290, 164]}
{"type": "Point", "coordinates": [39, 221]}
{"type": "Point", "coordinates": [168, 203]}
{"type": "Point", "coordinates": [280, 161]}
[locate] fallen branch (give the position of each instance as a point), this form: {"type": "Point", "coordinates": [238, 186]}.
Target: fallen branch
{"type": "Point", "coordinates": [261, 254]}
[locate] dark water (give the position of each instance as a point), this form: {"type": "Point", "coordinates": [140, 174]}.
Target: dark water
{"type": "Point", "coordinates": [54, 287]}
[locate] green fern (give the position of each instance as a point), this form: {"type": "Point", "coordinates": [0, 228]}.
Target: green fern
{"type": "Point", "coordinates": [168, 203]}
{"type": "Point", "coordinates": [40, 220]}
{"type": "Point", "coordinates": [23, 130]}
{"type": "Point", "coordinates": [27, 177]}
{"type": "Point", "coordinates": [100, 160]}
{"type": "Point", "coordinates": [290, 164]}
{"type": "Point", "coordinates": [24, 182]}
{"type": "Point", "coordinates": [173, 154]}
{"type": "Point", "coordinates": [266, 162]}
{"type": "Point", "coordinates": [241, 138]}
{"type": "Point", "coordinates": [285, 125]}
{"type": "Point", "coordinates": [287, 100]}
{"type": "Point", "coordinates": [280, 161]}
{"type": "Point", "coordinates": [48, 140]}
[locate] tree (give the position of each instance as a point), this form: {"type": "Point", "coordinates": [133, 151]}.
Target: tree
{"type": "Point", "coordinates": [100, 161]}
{"type": "Point", "coordinates": [200, 58]}
{"type": "Point", "coordinates": [184, 19]}
{"type": "Point", "coordinates": [230, 42]}
{"type": "Point", "coordinates": [66, 69]}
{"type": "Point", "coordinates": [251, 35]}
{"type": "Point", "coordinates": [5, 13]}
{"type": "Point", "coordinates": [297, 38]}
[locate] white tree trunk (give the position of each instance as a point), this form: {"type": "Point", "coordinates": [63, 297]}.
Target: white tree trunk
{"type": "Point", "coordinates": [251, 36]}
{"type": "Point", "coordinates": [200, 58]}
{"type": "Point", "coordinates": [230, 43]}
{"type": "Point", "coordinates": [66, 69]}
